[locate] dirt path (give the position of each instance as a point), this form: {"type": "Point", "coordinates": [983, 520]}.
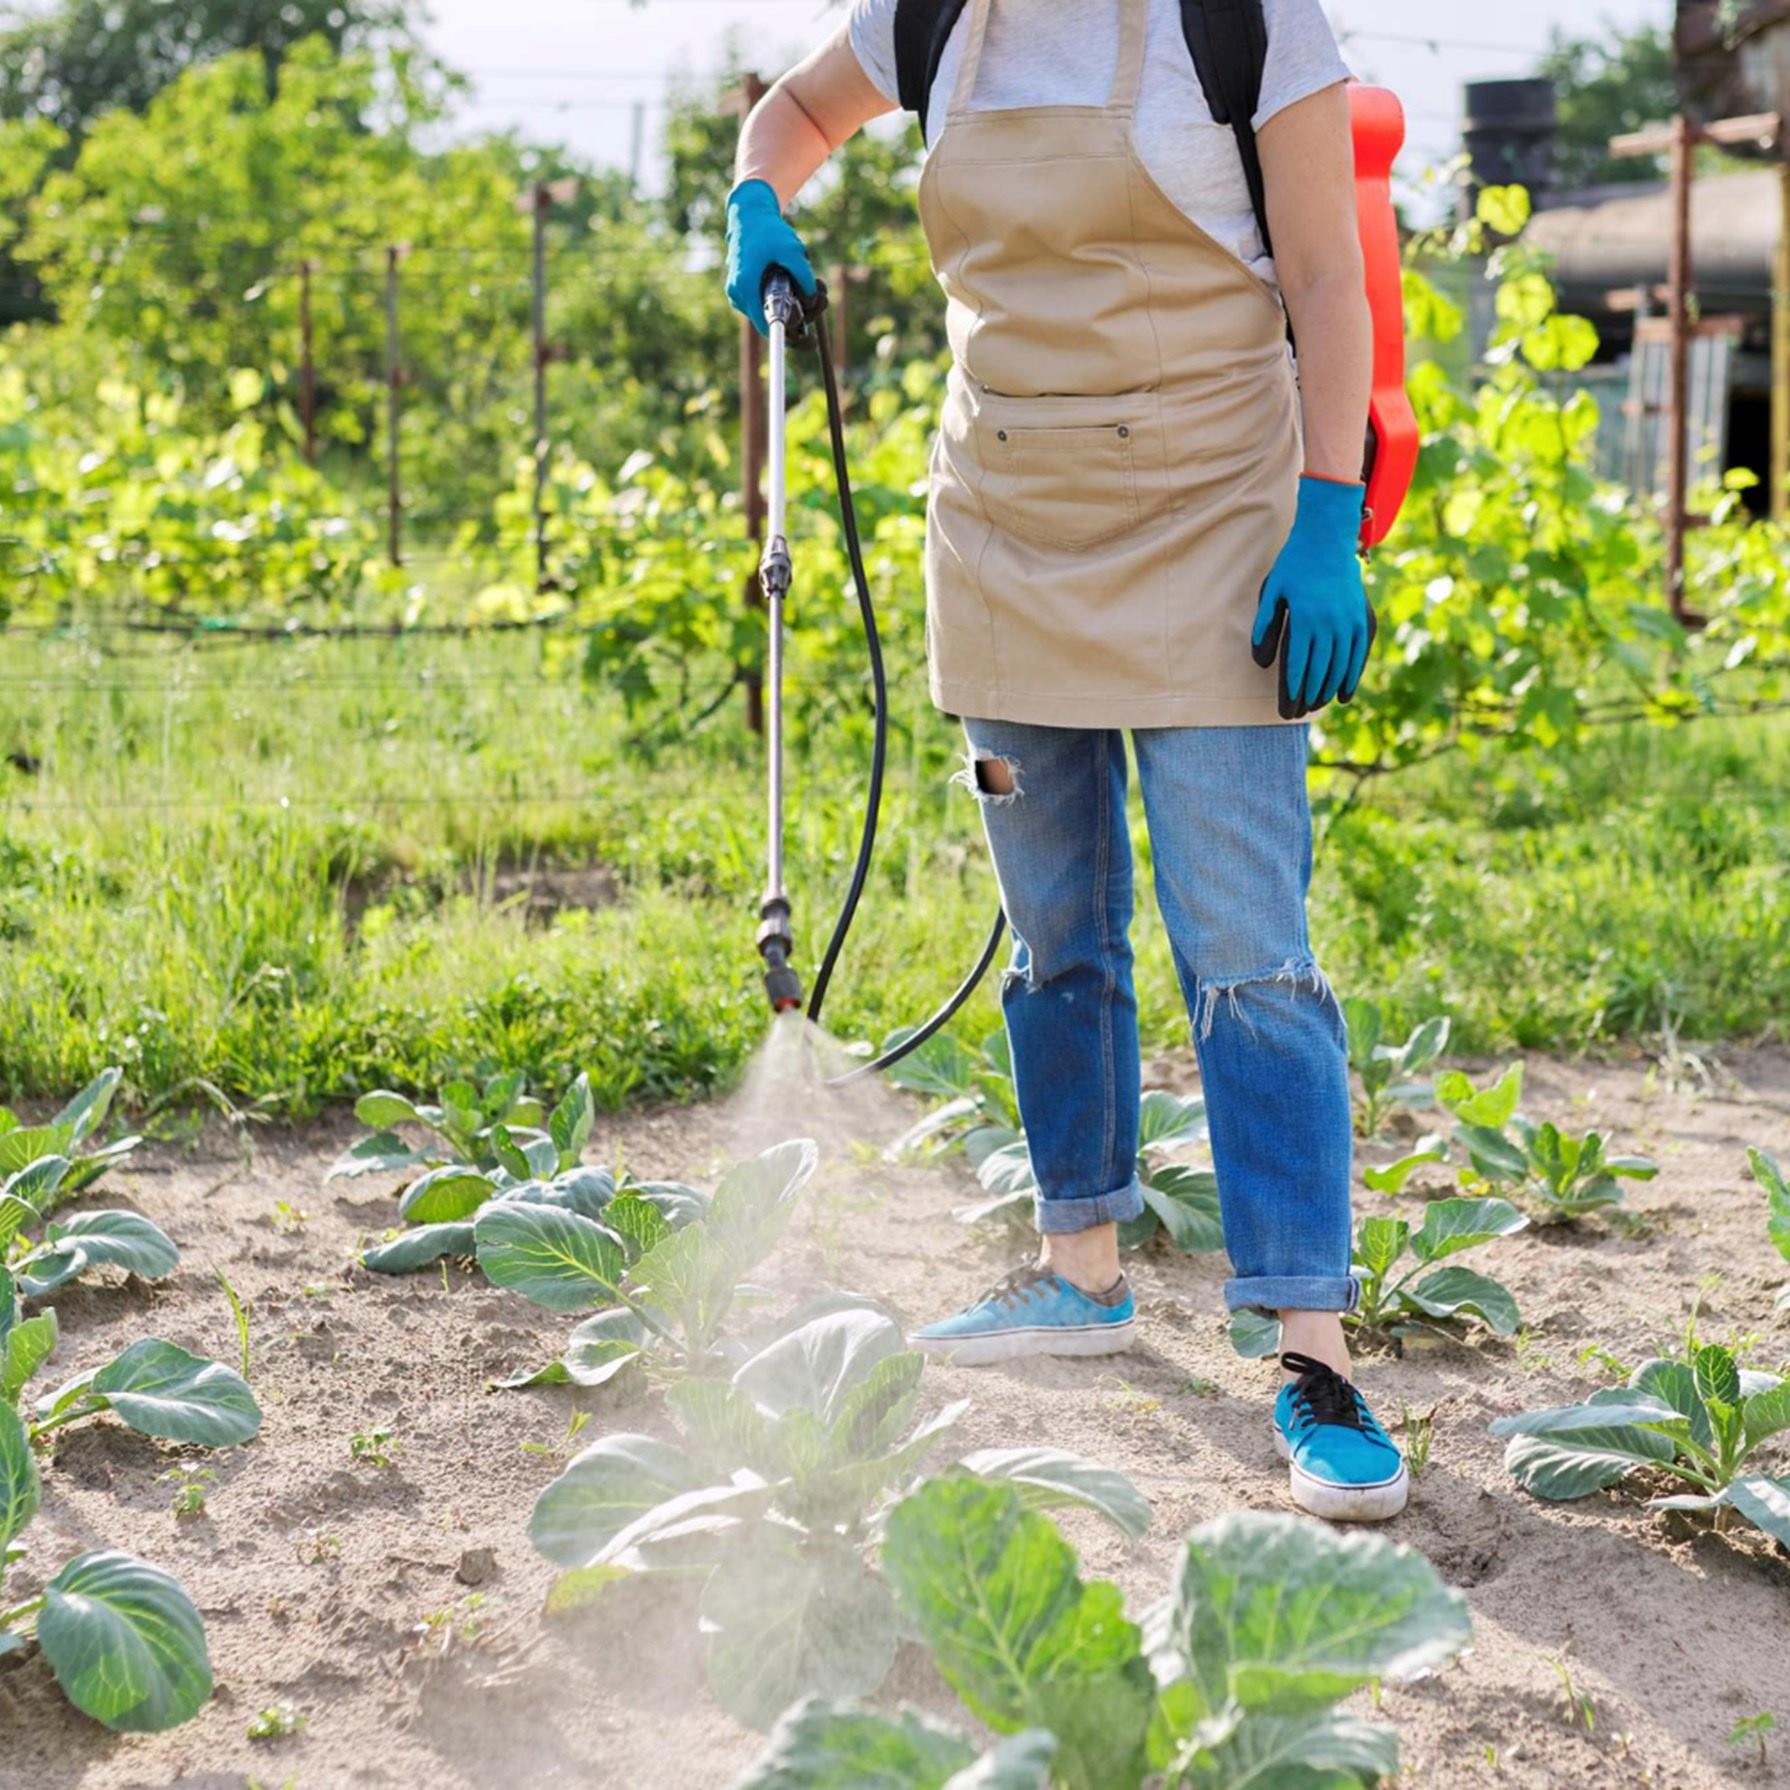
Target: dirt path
{"type": "Point", "coordinates": [340, 1588]}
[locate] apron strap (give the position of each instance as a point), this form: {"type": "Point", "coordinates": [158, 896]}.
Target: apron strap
{"type": "Point", "coordinates": [974, 39]}
{"type": "Point", "coordinates": [1129, 69]}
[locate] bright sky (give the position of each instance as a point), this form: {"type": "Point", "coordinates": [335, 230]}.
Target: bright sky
{"type": "Point", "coordinates": [577, 73]}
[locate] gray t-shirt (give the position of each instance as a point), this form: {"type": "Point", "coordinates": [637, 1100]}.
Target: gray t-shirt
{"type": "Point", "coordinates": [1063, 52]}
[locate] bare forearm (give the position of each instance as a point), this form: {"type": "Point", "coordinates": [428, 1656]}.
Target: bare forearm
{"type": "Point", "coordinates": [810, 112]}
{"type": "Point", "coordinates": [1334, 331]}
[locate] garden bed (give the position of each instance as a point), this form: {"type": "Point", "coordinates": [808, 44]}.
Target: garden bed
{"type": "Point", "coordinates": [396, 1608]}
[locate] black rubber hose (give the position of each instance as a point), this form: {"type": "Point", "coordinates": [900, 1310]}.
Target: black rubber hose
{"type": "Point", "coordinates": [879, 681]}
{"type": "Point", "coordinates": [879, 685]}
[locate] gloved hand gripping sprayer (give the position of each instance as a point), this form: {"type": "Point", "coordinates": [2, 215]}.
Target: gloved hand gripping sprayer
{"type": "Point", "coordinates": [792, 320]}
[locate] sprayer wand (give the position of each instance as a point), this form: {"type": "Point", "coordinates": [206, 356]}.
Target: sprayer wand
{"type": "Point", "coordinates": [784, 316]}
{"type": "Point", "coordinates": [790, 319]}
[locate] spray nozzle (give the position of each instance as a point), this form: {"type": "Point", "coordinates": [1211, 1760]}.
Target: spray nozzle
{"type": "Point", "coordinates": [776, 945]}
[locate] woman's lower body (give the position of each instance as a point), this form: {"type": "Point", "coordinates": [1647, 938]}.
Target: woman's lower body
{"type": "Point", "coordinates": [1230, 837]}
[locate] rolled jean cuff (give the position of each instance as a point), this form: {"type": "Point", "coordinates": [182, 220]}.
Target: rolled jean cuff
{"type": "Point", "coordinates": [1059, 1217]}
{"type": "Point", "coordinates": [1275, 1293]}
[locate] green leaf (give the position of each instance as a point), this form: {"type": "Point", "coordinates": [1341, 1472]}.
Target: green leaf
{"type": "Point", "coordinates": [590, 1192]}
{"type": "Point", "coordinates": [994, 1590]}
{"type": "Point", "coordinates": [1456, 1292]}
{"type": "Point", "coordinates": [1324, 1752]}
{"type": "Point", "coordinates": [550, 1257]}
{"type": "Point", "coordinates": [28, 1147]}
{"type": "Point", "coordinates": [125, 1643]}
{"type": "Point", "coordinates": [9, 1300]}
{"type": "Point", "coordinates": [1255, 1334]}
{"type": "Point", "coordinates": [639, 1223]}
{"type": "Point", "coordinates": [1167, 1120]}
{"type": "Point", "coordinates": [19, 1486]}
{"type": "Point", "coordinates": [511, 1157]}
{"type": "Point", "coordinates": [1632, 1168]}
{"type": "Point", "coordinates": [1674, 1384]}
{"type": "Point", "coordinates": [1379, 1242]}
{"type": "Point", "coordinates": [1022, 1761]}
{"type": "Point", "coordinates": [28, 1347]}
{"type": "Point", "coordinates": [158, 1388]}
{"type": "Point", "coordinates": [727, 1428]}
{"type": "Point", "coordinates": [814, 1368]}
{"type": "Point", "coordinates": [418, 1248]}
{"type": "Point", "coordinates": [1569, 1451]}
{"type": "Point", "coordinates": [94, 1239]}
{"type": "Point", "coordinates": [1362, 1017]}
{"type": "Point", "coordinates": [1718, 1375]}
{"type": "Point", "coordinates": [753, 1199]}
{"type": "Point", "coordinates": [382, 1109]}
{"type": "Point", "coordinates": [1766, 1414]}
{"type": "Point", "coordinates": [823, 1745]}
{"type": "Point", "coordinates": [601, 1346]}
{"type": "Point", "coordinates": [784, 1620]}
{"type": "Point", "coordinates": [1489, 1109]}
{"type": "Point", "coordinates": [1777, 1193]}
{"type": "Point", "coordinates": [1492, 1153]}
{"type": "Point", "coordinates": [604, 1489]}
{"type": "Point", "coordinates": [444, 1196]}
{"type": "Point", "coordinates": [571, 1122]}
{"type": "Point", "coordinates": [941, 1067]}
{"type": "Point", "coordinates": [1186, 1200]}
{"type": "Point", "coordinates": [1395, 1175]}
{"type": "Point", "coordinates": [1449, 1226]}
{"type": "Point", "coordinates": [1049, 1478]}
{"type": "Point", "coordinates": [1425, 1044]}
{"type": "Point", "coordinates": [383, 1153]}
{"type": "Point", "coordinates": [1505, 209]}
{"type": "Point", "coordinates": [1285, 1616]}
{"type": "Point", "coordinates": [87, 1111]}
{"type": "Point", "coordinates": [1766, 1502]}
{"type": "Point", "coordinates": [33, 1187]}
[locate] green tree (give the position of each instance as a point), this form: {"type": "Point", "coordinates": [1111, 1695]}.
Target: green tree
{"type": "Point", "coordinates": [84, 58]}
{"type": "Point", "coordinates": [1613, 82]}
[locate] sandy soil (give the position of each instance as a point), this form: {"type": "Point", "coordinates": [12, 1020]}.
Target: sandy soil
{"type": "Point", "coordinates": [397, 1608]}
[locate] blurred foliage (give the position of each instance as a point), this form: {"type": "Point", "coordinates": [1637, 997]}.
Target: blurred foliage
{"type": "Point", "coordinates": [1609, 83]}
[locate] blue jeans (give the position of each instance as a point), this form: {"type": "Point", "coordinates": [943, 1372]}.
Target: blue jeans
{"type": "Point", "coordinates": [1230, 833]}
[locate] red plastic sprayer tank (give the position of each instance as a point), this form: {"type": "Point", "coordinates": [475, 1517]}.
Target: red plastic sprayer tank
{"type": "Point", "coordinates": [1392, 425]}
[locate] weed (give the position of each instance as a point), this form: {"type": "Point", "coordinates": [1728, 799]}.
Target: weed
{"type": "Point", "coordinates": [1752, 1730]}
{"type": "Point", "coordinates": [575, 1425]}
{"type": "Point", "coordinates": [190, 1484]}
{"type": "Point", "coordinates": [1419, 1433]}
{"type": "Point", "coordinates": [288, 1219]}
{"type": "Point", "coordinates": [240, 1313]}
{"type": "Point", "coordinates": [374, 1448]}
{"type": "Point", "coordinates": [1579, 1709]}
{"type": "Point", "coordinates": [278, 1721]}
{"type": "Point", "coordinates": [1531, 1357]}
{"type": "Point", "coordinates": [320, 1549]}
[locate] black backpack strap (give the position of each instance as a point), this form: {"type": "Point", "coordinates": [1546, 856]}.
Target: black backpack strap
{"type": "Point", "coordinates": [1228, 40]}
{"type": "Point", "coordinates": [922, 29]}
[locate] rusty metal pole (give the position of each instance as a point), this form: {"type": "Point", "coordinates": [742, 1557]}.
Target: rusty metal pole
{"type": "Point", "coordinates": [1678, 306]}
{"type": "Point", "coordinates": [1780, 355]}
{"type": "Point", "coordinates": [307, 362]}
{"type": "Point", "coordinates": [394, 380]}
{"type": "Point", "coordinates": [543, 198]}
{"type": "Point", "coordinates": [752, 428]}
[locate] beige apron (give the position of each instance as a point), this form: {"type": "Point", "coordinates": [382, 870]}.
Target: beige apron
{"type": "Point", "coordinates": [1118, 457]}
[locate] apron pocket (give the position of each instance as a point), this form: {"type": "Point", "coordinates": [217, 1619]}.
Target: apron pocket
{"type": "Point", "coordinates": [1060, 487]}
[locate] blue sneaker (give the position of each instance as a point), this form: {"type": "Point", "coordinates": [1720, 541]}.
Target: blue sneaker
{"type": "Point", "coordinates": [1031, 1312]}
{"type": "Point", "coordinates": [1345, 1467]}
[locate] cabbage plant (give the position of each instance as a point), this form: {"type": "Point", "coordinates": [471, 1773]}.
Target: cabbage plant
{"type": "Point", "coordinates": [467, 1124]}
{"type": "Point", "coordinates": [1403, 1285]}
{"type": "Point", "coordinates": [1560, 1176]}
{"type": "Point", "coordinates": [1701, 1419]}
{"type": "Point", "coordinates": [124, 1640]}
{"type": "Point", "coordinates": [1385, 1071]}
{"type": "Point", "coordinates": [1232, 1680]}
{"type": "Point", "coordinates": [774, 1497]}
{"type": "Point", "coordinates": [42, 1166]}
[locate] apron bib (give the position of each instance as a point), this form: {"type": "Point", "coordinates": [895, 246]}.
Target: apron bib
{"type": "Point", "coordinates": [1118, 456]}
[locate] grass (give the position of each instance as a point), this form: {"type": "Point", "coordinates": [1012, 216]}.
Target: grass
{"type": "Point", "coordinates": [283, 872]}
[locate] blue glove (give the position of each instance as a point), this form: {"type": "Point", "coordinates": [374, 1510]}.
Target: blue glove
{"type": "Point", "coordinates": [1314, 615]}
{"type": "Point", "coordinates": [759, 239]}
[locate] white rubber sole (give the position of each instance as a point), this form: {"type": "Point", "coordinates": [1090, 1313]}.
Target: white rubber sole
{"type": "Point", "coordinates": [1043, 1339]}
{"type": "Point", "coordinates": [1345, 1503]}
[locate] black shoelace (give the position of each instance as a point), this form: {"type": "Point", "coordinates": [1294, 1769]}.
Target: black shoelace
{"type": "Point", "coordinates": [1010, 1289]}
{"type": "Point", "coordinates": [1322, 1395]}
